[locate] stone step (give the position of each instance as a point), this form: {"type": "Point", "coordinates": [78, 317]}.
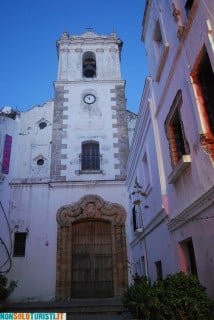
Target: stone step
{"type": "Point", "coordinates": [86, 306]}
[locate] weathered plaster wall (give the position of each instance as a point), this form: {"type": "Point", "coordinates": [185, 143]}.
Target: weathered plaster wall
{"type": "Point", "coordinates": [143, 166]}
{"type": "Point", "coordinates": [75, 122]}
{"type": "Point", "coordinates": [175, 75]}
{"type": "Point", "coordinates": [36, 272]}
{"type": "Point", "coordinates": [106, 49]}
{"type": "Point", "coordinates": [34, 143]}
{"type": "Point", "coordinates": [39, 190]}
{"type": "Point", "coordinates": [10, 127]}
{"type": "Point", "coordinates": [187, 200]}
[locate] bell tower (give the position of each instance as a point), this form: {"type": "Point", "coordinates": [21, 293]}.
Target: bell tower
{"type": "Point", "coordinates": [90, 135]}
{"type": "Point", "coordinates": [88, 167]}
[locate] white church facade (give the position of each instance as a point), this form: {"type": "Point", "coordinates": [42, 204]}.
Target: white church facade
{"type": "Point", "coordinates": [81, 208]}
{"type": "Point", "coordinates": [64, 191]}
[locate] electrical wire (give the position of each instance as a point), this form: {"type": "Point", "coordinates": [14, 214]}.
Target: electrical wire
{"type": "Point", "coordinates": [4, 244]}
{"type": "Point", "coordinates": [8, 259]}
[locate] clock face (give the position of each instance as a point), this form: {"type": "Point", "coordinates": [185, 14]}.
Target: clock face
{"type": "Point", "coordinates": [89, 98]}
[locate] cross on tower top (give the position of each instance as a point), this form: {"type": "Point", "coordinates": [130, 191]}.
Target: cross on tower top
{"type": "Point", "coordinates": [89, 29]}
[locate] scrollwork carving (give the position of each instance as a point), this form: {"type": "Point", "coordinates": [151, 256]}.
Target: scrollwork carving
{"type": "Point", "coordinates": [91, 206]}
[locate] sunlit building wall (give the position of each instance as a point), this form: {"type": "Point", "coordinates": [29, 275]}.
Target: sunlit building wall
{"type": "Point", "coordinates": [178, 37]}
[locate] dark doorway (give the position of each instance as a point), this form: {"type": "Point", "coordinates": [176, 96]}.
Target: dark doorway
{"type": "Point", "coordinates": [188, 253]}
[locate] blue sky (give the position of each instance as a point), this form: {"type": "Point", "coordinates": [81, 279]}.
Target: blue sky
{"type": "Point", "coordinates": [29, 30]}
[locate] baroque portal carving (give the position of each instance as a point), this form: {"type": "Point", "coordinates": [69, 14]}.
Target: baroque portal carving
{"type": "Point", "coordinates": [90, 207]}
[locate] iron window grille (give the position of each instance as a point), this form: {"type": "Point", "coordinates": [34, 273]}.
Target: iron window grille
{"type": "Point", "coordinates": [90, 158]}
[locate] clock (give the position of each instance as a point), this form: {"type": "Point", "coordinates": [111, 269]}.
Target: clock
{"type": "Point", "coordinates": [89, 98]}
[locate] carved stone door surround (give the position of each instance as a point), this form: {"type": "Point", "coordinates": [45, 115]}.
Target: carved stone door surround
{"type": "Point", "coordinates": [90, 207]}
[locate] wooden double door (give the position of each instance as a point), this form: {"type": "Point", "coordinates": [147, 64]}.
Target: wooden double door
{"type": "Point", "coordinates": [92, 265]}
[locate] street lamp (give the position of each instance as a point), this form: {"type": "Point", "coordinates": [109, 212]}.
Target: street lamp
{"type": "Point", "coordinates": [137, 194]}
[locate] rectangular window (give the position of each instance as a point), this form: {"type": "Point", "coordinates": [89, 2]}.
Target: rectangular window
{"type": "Point", "coordinates": [161, 48]}
{"type": "Point", "coordinates": [146, 174]}
{"type": "Point", "coordinates": [134, 218]}
{"type": "Point", "coordinates": [176, 136]}
{"type": "Point", "coordinates": [191, 254]}
{"type": "Point", "coordinates": [157, 36]}
{"type": "Point", "coordinates": [137, 218]}
{"type": "Point", "coordinates": [175, 132]}
{"type": "Point", "coordinates": [159, 271]}
{"type": "Point", "coordinates": [19, 244]}
{"type": "Point", "coordinates": [137, 267]}
{"type": "Point", "coordinates": [90, 158]}
{"type": "Point", "coordinates": [188, 7]}
{"type": "Point", "coordinates": [203, 79]}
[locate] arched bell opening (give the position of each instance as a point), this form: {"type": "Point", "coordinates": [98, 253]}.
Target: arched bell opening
{"type": "Point", "coordinates": [89, 65]}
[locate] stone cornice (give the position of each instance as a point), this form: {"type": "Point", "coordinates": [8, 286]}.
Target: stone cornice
{"type": "Point", "coordinates": [89, 36]}
{"type": "Point", "coordinates": [18, 183]}
{"type": "Point", "coordinates": [201, 204]}
{"type": "Point", "coordinates": [89, 80]}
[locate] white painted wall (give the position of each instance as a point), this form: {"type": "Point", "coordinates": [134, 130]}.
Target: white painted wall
{"type": "Point", "coordinates": [36, 272]}
{"type": "Point", "coordinates": [10, 127]}
{"type": "Point", "coordinates": [34, 142]}
{"type": "Point", "coordinates": [90, 122]}
{"type": "Point", "coordinates": [194, 187]}
{"type": "Point", "coordinates": [175, 76]}
{"type": "Point", "coordinates": [34, 197]}
{"type": "Point", "coordinates": [152, 210]}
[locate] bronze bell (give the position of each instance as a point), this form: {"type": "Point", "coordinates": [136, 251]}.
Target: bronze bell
{"type": "Point", "coordinates": [89, 71]}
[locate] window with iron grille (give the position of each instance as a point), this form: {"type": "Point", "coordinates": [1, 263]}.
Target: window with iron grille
{"type": "Point", "coordinates": [19, 244]}
{"type": "Point", "coordinates": [134, 218]}
{"type": "Point", "coordinates": [90, 157]}
{"type": "Point", "coordinates": [175, 132]}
